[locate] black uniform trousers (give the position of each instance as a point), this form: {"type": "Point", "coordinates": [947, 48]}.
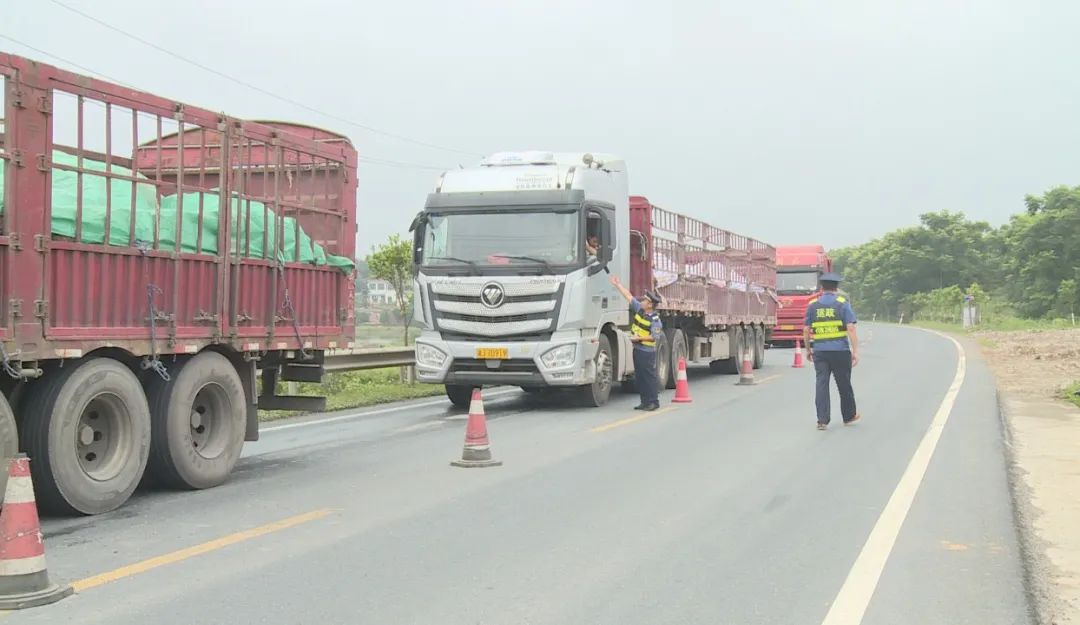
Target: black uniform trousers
{"type": "Point", "coordinates": [838, 365]}
{"type": "Point", "coordinates": [645, 376]}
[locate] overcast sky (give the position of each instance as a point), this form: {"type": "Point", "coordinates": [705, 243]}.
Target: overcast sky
{"type": "Point", "coordinates": [794, 122]}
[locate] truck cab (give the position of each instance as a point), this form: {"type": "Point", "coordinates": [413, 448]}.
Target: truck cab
{"type": "Point", "coordinates": [798, 268]}
{"type": "Point", "coordinates": [506, 290]}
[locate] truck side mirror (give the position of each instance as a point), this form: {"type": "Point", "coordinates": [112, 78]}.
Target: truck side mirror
{"type": "Point", "coordinates": [607, 240]}
{"type": "Point", "coordinates": [418, 229]}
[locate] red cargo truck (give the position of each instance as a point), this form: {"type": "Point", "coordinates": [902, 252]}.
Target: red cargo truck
{"type": "Point", "coordinates": [717, 288]}
{"type": "Point", "coordinates": [798, 268]}
{"type": "Point", "coordinates": [154, 257]}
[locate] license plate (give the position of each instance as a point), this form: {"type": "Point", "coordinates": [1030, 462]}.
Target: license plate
{"type": "Point", "coordinates": [492, 353]}
{"type": "Point", "coordinates": [787, 327]}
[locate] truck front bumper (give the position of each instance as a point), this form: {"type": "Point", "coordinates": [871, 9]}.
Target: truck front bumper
{"type": "Point", "coordinates": [566, 360]}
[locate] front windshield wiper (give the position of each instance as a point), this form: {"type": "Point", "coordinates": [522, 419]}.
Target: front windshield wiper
{"type": "Point", "coordinates": [534, 259]}
{"type": "Point", "coordinates": [470, 263]}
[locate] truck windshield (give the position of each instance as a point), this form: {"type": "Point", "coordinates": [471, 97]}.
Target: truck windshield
{"type": "Point", "coordinates": [546, 238]}
{"type": "Point", "coordinates": [796, 282]}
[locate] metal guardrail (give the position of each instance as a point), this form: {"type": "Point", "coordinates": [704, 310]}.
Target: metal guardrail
{"type": "Point", "coordinates": [358, 359]}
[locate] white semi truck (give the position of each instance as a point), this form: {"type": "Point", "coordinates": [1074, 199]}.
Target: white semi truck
{"type": "Point", "coordinates": [509, 289]}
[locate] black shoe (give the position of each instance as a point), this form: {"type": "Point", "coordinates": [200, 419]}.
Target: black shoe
{"type": "Point", "coordinates": [640, 407]}
{"type": "Point", "coordinates": [651, 407]}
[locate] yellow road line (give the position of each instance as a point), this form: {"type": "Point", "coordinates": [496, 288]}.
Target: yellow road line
{"type": "Point", "coordinates": [190, 552]}
{"type": "Point", "coordinates": [629, 420]}
{"type": "Point", "coordinates": [768, 379]}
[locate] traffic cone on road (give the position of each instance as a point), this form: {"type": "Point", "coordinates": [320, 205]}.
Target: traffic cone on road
{"type": "Point", "coordinates": [477, 452]}
{"type": "Point", "coordinates": [682, 387]}
{"type": "Point", "coordinates": [24, 579]}
{"type": "Point", "coordinates": [798, 355]}
{"type": "Point", "coordinates": [746, 373]}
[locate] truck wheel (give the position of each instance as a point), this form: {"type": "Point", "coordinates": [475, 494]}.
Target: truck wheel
{"type": "Point", "coordinates": [9, 441]}
{"type": "Point", "coordinates": [596, 394]}
{"type": "Point", "coordinates": [460, 395]}
{"type": "Point", "coordinates": [199, 419]}
{"type": "Point", "coordinates": [88, 436]}
{"type": "Point", "coordinates": [759, 347]}
{"type": "Point", "coordinates": [663, 361]}
{"type": "Point", "coordinates": [736, 341]}
{"type": "Point", "coordinates": [677, 339]}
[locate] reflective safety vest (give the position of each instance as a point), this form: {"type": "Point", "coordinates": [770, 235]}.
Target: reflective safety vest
{"type": "Point", "coordinates": [827, 321]}
{"type": "Point", "coordinates": [642, 327]}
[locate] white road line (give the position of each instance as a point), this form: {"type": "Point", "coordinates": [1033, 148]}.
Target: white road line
{"type": "Point", "coordinates": [370, 413]}
{"type": "Point", "coordinates": [851, 602]}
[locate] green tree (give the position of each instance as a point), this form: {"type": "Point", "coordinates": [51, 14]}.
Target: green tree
{"type": "Point", "coordinates": [1043, 250]}
{"type": "Point", "coordinates": [945, 249]}
{"type": "Point", "coordinates": [392, 261]}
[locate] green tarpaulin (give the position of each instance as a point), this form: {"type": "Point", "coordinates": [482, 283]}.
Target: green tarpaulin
{"type": "Point", "coordinates": [96, 190]}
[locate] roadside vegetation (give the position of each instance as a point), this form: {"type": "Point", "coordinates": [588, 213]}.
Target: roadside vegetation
{"type": "Point", "coordinates": [1023, 275]}
{"type": "Point", "coordinates": [356, 389]}
{"type": "Point", "coordinates": [1072, 393]}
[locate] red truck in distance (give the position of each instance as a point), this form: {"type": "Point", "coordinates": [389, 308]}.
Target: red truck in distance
{"type": "Point", "coordinates": [798, 268]}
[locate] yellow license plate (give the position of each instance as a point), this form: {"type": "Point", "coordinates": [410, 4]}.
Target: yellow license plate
{"type": "Point", "coordinates": [787, 327]}
{"type": "Point", "coordinates": [492, 353]}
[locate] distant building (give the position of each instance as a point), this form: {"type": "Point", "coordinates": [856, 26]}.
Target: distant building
{"type": "Point", "coordinates": [381, 293]}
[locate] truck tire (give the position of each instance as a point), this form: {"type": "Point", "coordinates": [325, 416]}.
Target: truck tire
{"type": "Point", "coordinates": [88, 436]}
{"type": "Point", "coordinates": [759, 347]}
{"type": "Point", "coordinates": [198, 418]}
{"type": "Point", "coordinates": [677, 340]}
{"type": "Point", "coordinates": [596, 394]}
{"type": "Point", "coordinates": [9, 441]}
{"type": "Point", "coordinates": [460, 395]}
{"type": "Point", "coordinates": [663, 361]}
{"type": "Point", "coordinates": [730, 365]}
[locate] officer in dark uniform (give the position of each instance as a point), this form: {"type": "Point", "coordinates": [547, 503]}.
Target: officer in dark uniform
{"type": "Point", "coordinates": [645, 331]}
{"type": "Point", "coordinates": [833, 346]}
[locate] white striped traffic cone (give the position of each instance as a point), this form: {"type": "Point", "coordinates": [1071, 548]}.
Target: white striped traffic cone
{"type": "Point", "coordinates": [746, 372]}
{"type": "Point", "coordinates": [24, 579]}
{"type": "Point", "coordinates": [477, 451]}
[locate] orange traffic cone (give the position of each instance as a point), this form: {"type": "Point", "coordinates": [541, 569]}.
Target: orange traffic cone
{"type": "Point", "coordinates": [682, 387]}
{"type": "Point", "coordinates": [746, 374]}
{"type": "Point", "coordinates": [24, 579]}
{"type": "Point", "coordinates": [798, 355]}
{"type": "Point", "coordinates": [477, 452]}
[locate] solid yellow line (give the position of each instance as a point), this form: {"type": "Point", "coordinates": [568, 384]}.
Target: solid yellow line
{"type": "Point", "coordinates": [190, 552]}
{"type": "Point", "coordinates": [629, 420]}
{"type": "Point", "coordinates": [771, 377]}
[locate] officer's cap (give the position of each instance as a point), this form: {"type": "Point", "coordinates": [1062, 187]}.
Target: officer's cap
{"type": "Point", "coordinates": [830, 277]}
{"type": "Point", "coordinates": [654, 296]}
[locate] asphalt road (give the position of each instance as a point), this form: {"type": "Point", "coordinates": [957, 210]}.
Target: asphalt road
{"type": "Point", "coordinates": [731, 509]}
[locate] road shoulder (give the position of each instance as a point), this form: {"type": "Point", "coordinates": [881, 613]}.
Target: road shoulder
{"type": "Point", "coordinates": [1043, 451]}
{"type": "Point", "coordinates": [1044, 458]}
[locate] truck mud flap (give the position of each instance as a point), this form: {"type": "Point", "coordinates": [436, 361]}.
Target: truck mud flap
{"type": "Point", "coordinates": [302, 373]}
{"type": "Point", "coordinates": [292, 402]}
{"type": "Point", "coordinates": [268, 400]}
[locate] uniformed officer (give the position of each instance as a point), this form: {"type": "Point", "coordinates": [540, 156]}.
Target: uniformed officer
{"type": "Point", "coordinates": [833, 346]}
{"type": "Point", "coordinates": [645, 330]}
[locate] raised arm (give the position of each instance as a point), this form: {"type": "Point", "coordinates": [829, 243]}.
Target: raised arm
{"type": "Point", "coordinates": [622, 289]}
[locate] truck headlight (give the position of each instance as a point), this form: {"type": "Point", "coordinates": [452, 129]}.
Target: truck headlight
{"type": "Point", "coordinates": [429, 356]}
{"type": "Point", "coordinates": [561, 356]}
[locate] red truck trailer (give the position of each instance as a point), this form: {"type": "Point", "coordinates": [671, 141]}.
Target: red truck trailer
{"type": "Point", "coordinates": [718, 288]}
{"type": "Point", "coordinates": [798, 270]}
{"type": "Point", "coordinates": [154, 257]}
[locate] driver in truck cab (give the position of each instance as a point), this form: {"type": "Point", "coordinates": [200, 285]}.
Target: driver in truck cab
{"type": "Point", "coordinates": [645, 331]}
{"type": "Point", "coordinates": [592, 245]}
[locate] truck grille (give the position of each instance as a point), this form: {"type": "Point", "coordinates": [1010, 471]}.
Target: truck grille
{"type": "Point", "coordinates": [528, 311]}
